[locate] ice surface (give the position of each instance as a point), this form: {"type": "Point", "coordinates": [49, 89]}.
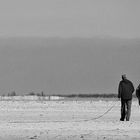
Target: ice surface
{"type": "Point", "coordinates": [60, 119]}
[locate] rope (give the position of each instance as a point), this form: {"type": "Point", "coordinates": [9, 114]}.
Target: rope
{"type": "Point", "coordinates": [100, 116]}
{"type": "Point", "coordinates": [85, 120]}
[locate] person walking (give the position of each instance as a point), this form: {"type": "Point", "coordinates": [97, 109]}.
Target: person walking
{"type": "Point", "coordinates": [125, 92]}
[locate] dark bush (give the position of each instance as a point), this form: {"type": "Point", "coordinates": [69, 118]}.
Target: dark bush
{"type": "Point", "coordinates": [13, 93]}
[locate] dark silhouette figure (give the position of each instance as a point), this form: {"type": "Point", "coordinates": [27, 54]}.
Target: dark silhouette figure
{"type": "Point", "coordinates": [125, 92]}
{"type": "Point", "coordinates": [138, 93]}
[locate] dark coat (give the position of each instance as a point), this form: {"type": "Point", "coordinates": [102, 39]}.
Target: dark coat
{"type": "Point", "coordinates": [125, 89]}
{"type": "Point", "coordinates": [138, 92]}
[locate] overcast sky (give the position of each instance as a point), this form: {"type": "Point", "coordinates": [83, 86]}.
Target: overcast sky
{"type": "Point", "coordinates": [79, 65]}
{"type": "Point", "coordinates": [70, 18]}
{"type": "Point", "coordinates": [67, 65]}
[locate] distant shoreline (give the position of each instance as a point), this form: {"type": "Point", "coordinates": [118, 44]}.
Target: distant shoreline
{"type": "Point", "coordinates": [112, 95]}
{"type": "Point", "coordinates": [80, 95]}
{"type": "Point", "coordinates": [60, 97]}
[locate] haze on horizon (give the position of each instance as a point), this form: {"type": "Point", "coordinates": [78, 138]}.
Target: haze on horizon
{"type": "Point", "coordinates": [67, 46]}
{"type": "Point", "coordinates": [66, 66]}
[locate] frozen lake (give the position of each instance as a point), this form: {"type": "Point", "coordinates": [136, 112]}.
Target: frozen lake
{"type": "Point", "coordinates": [66, 120]}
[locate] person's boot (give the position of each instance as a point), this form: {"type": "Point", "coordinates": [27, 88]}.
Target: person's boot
{"type": "Point", "coordinates": [121, 119]}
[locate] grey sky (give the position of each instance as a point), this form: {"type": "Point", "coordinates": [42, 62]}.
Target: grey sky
{"type": "Point", "coordinates": [67, 65]}
{"type": "Point", "coordinates": [57, 65]}
{"type": "Point", "coordinates": [70, 18]}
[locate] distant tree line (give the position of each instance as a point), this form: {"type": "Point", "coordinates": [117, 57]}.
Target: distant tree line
{"type": "Point", "coordinates": [13, 93]}
{"type": "Point", "coordinates": [90, 95]}
{"type": "Point", "coordinates": [97, 95]}
{"type": "Point", "coordinates": [35, 94]}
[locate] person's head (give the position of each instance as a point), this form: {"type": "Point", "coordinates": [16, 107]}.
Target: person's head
{"type": "Point", "coordinates": [124, 77]}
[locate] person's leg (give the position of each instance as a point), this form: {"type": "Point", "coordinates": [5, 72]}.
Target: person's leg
{"type": "Point", "coordinates": [128, 113]}
{"type": "Point", "coordinates": [122, 110]}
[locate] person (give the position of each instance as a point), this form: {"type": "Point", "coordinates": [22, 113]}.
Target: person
{"type": "Point", "coordinates": [138, 93]}
{"type": "Point", "coordinates": [125, 92]}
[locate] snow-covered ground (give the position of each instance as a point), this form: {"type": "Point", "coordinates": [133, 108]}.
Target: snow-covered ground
{"type": "Point", "coordinates": [66, 120]}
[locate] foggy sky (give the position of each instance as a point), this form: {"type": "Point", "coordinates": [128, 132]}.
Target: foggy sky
{"type": "Point", "coordinates": [69, 45]}
{"type": "Point", "coordinates": [67, 66]}
{"type": "Point", "coordinates": [70, 18]}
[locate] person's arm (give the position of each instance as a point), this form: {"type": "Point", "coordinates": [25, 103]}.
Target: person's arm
{"type": "Point", "coordinates": [138, 92]}
{"type": "Point", "coordinates": [119, 90]}
{"type": "Point", "coordinates": [132, 88]}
